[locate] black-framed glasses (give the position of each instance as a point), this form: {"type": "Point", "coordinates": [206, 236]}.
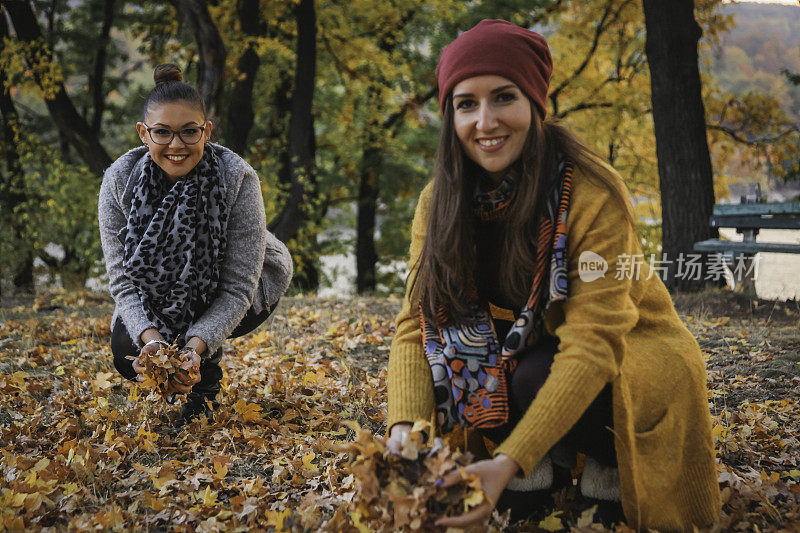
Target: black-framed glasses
{"type": "Point", "coordinates": [164, 135]}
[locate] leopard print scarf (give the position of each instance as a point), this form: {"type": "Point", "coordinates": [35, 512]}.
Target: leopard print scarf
{"type": "Point", "coordinates": [174, 243]}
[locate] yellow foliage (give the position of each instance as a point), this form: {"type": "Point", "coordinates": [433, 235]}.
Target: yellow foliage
{"type": "Point", "coordinates": [249, 412]}
{"type": "Point", "coordinates": [602, 91]}
{"type": "Point", "coordinates": [552, 522]}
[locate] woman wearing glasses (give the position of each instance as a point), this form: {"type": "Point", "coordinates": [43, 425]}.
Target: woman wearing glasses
{"type": "Point", "coordinates": [184, 237]}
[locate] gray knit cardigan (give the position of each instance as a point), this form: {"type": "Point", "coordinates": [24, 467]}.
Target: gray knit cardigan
{"type": "Point", "coordinates": [256, 268]}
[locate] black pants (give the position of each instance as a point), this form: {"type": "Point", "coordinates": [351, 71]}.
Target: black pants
{"type": "Point", "coordinates": [591, 434]}
{"type": "Point", "coordinates": [123, 346]}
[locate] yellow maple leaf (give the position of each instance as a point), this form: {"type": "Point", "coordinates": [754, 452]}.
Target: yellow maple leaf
{"type": "Point", "coordinates": [19, 499]}
{"type": "Point", "coordinates": [309, 378]}
{"type": "Point", "coordinates": [220, 466]}
{"type": "Point", "coordinates": [41, 464]}
{"type": "Point", "coordinates": [69, 488]}
{"type": "Point", "coordinates": [133, 393]}
{"type": "Point", "coordinates": [277, 518]}
{"type": "Point", "coordinates": [102, 381]}
{"type": "Point", "coordinates": [552, 522]}
{"type": "Point", "coordinates": [307, 458]}
{"type": "Point", "coordinates": [208, 496]}
{"type": "Point", "coordinates": [477, 495]}
{"type": "Point", "coordinates": [250, 412]}
{"type": "Point", "coordinates": [474, 500]}
{"type": "Point", "coordinates": [18, 380]}
{"type": "Point", "coordinates": [356, 515]}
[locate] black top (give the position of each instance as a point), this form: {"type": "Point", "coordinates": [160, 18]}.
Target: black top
{"type": "Point", "coordinates": [489, 241]}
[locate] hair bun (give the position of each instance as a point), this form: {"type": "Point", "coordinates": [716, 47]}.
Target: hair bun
{"type": "Point", "coordinates": [166, 73]}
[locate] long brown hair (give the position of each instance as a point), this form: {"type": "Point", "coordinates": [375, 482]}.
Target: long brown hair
{"type": "Point", "coordinates": [447, 263]}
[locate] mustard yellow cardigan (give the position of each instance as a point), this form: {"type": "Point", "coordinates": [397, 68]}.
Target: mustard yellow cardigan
{"type": "Point", "coordinates": [620, 331]}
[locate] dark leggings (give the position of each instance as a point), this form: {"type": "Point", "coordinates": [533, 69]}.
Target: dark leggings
{"type": "Point", "coordinates": [591, 434]}
{"type": "Point", "coordinates": [123, 346]}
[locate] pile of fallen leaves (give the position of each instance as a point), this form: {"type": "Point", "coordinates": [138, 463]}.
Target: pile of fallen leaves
{"type": "Point", "coordinates": [398, 493]}
{"type": "Point", "coordinates": [81, 448]}
{"type": "Point", "coordinates": [161, 367]}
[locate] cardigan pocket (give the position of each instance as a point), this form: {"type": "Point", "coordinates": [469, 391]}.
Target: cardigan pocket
{"type": "Point", "coordinates": [653, 426]}
{"type": "Point", "coordinates": [661, 446]}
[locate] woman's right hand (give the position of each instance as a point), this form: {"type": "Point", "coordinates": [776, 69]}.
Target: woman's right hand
{"type": "Point", "coordinates": [147, 336]}
{"type": "Point", "coordinates": [398, 435]}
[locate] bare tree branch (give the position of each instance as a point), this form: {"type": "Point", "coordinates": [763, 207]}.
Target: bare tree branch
{"type": "Point", "coordinates": [609, 16]}
{"type": "Point", "coordinates": [742, 137]}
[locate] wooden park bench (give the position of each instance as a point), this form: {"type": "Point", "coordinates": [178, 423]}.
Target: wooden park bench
{"type": "Point", "coordinates": [748, 219]}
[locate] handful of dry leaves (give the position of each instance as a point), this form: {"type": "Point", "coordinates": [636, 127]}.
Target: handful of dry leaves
{"type": "Point", "coordinates": [398, 493]}
{"type": "Point", "coordinates": [161, 366]}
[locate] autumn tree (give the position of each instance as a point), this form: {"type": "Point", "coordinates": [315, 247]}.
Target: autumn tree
{"type": "Point", "coordinates": [684, 163]}
{"type": "Point", "coordinates": [12, 188]}
{"type": "Point", "coordinates": [601, 88]}
{"type": "Point", "coordinates": [334, 105]}
{"type": "Point", "coordinates": [385, 57]}
{"type": "Point", "coordinates": [753, 109]}
{"type": "Point", "coordinates": [56, 145]}
{"type": "Point", "coordinates": [211, 51]}
{"type": "Point", "coordinates": [39, 57]}
{"type": "Point", "coordinates": [240, 115]}
{"type": "Point", "coordinates": [298, 171]}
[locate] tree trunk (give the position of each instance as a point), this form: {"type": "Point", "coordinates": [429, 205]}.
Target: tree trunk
{"type": "Point", "coordinates": [298, 171]}
{"type": "Point", "coordinates": [211, 67]}
{"type": "Point", "coordinates": [98, 75]}
{"type": "Point", "coordinates": [369, 187]}
{"type": "Point", "coordinates": [12, 184]}
{"type": "Point", "coordinates": [368, 193]}
{"type": "Point", "coordinates": [240, 117]}
{"type": "Point", "coordinates": [371, 163]}
{"type": "Point", "coordinates": [60, 106]}
{"type": "Point", "coordinates": [684, 164]}
{"type": "Point", "coordinates": [366, 257]}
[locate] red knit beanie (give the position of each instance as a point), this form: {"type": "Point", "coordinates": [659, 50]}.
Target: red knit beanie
{"type": "Point", "coordinates": [501, 48]}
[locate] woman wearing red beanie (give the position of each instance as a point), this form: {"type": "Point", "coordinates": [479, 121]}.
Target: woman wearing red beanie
{"type": "Point", "coordinates": [521, 322]}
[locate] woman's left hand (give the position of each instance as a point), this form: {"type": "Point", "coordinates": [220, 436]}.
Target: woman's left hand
{"type": "Point", "coordinates": [495, 475]}
{"type": "Point", "coordinates": [181, 382]}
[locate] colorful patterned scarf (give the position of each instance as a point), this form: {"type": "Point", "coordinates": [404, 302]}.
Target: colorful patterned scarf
{"type": "Point", "coordinates": [470, 367]}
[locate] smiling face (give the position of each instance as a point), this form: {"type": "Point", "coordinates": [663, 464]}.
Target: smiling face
{"type": "Point", "coordinates": [177, 158]}
{"type": "Point", "coordinates": [492, 117]}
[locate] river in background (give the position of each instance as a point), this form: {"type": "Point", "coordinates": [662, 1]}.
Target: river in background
{"type": "Point", "coordinates": [778, 274]}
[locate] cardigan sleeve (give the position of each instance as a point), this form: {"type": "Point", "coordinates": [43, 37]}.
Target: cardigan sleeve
{"type": "Point", "coordinates": [111, 219]}
{"type": "Point", "coordinates": [241, 266]}
{"type": "Point", "coordinates": [596, 318]}
{"type": "Point", "coordinates": [410, 385]}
